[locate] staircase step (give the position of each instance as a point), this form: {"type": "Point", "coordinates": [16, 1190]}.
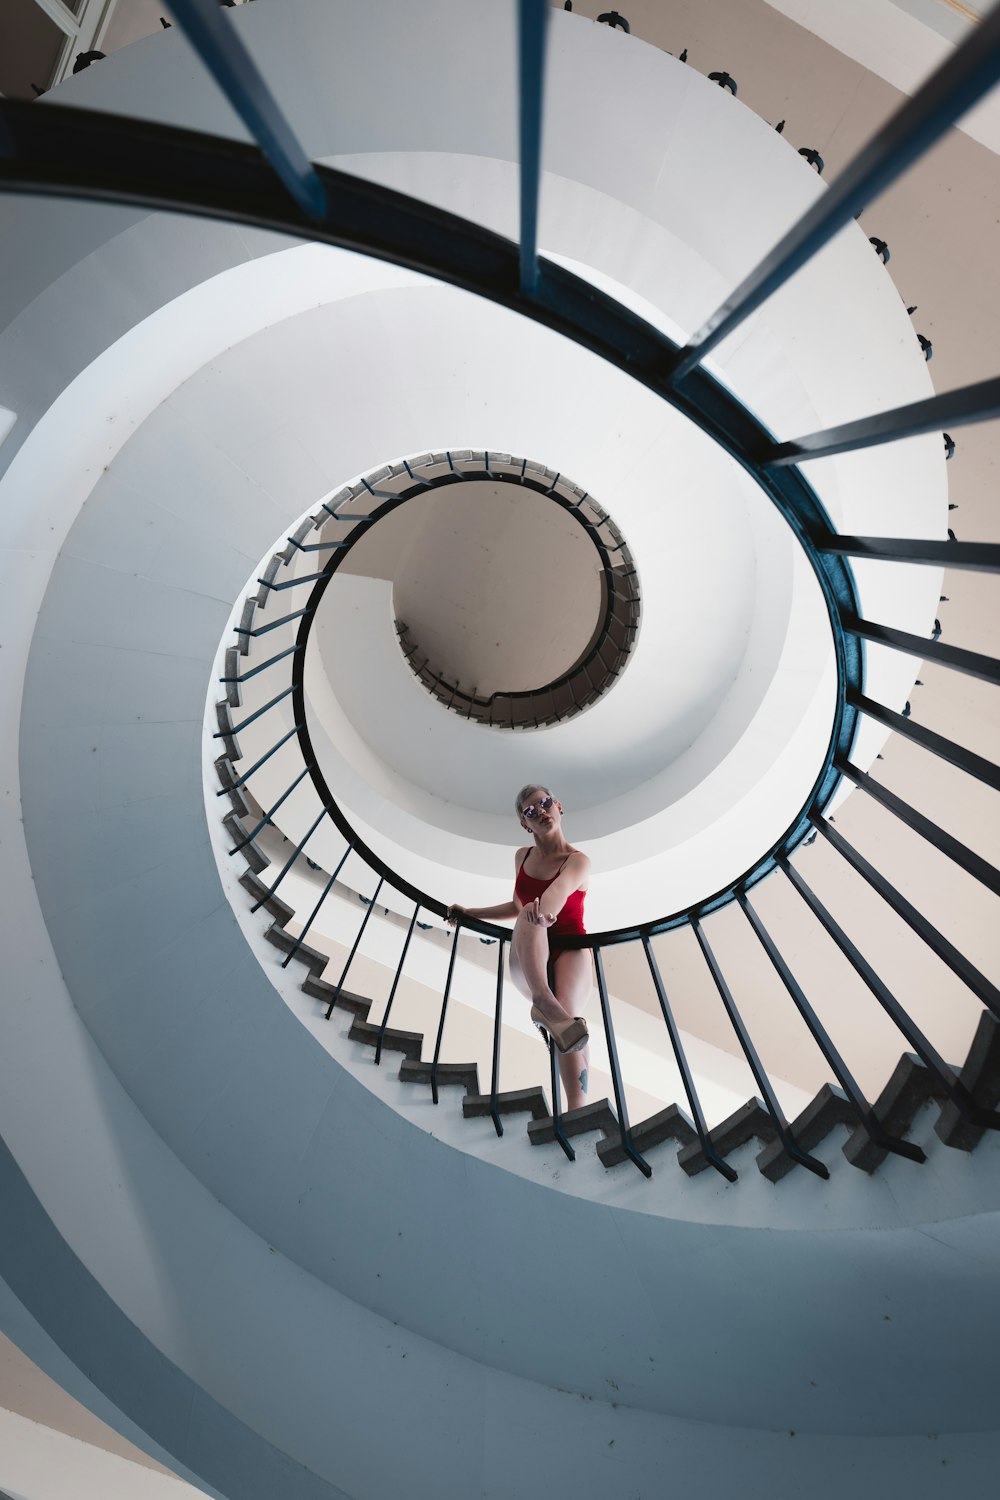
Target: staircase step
{"type": "Point", "coordinates": [912, 1084]}
{"type": "Point", "coordinates": [252, 883]}
{"type": "Point", "coordinates": [227, 780]}
{"type": "Point", "coordinates": [670, 1124]}
{"type": "Point", "coordinates": [413, 1070]}
{"type": "Point", "coordinates": [596, 1116]}
{"type": "Point", "coordinates": [510, 1102]}
{"type": "Point", "coordinates": [981, 1076]}
{"type": "Point", "coordinates": [408, 1042]}
{"type": "Point", "coordinates": [830, 1107]}
{"type": "Point", "coordinates": [283, 939]}
{"type": "Point", "coordinates": [224, 720]}
{"type": "Point", "coordinates": [234, 688]}
{"type": "Point", "coordinates": [250, 853]}
{"type": "Point", "coordinates": [749, 1121]}
{"type": "Point", "coordinates": [322, 989]}
{"type": "Point", "coordinates": [246, 624]}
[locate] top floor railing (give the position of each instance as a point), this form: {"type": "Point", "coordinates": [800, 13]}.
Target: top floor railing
{"type": "Point", "coordinates": [85, 154]}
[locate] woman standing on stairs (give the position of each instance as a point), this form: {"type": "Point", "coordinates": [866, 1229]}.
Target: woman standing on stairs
{"type": "Point", "coordinates": [550, 883]}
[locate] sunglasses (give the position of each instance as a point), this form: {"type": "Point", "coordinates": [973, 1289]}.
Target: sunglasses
{"type": "Point", "coordinates": [537, 808]}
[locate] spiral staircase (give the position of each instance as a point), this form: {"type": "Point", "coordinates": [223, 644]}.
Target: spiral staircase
{"type": "Point", "coordinates": [233, 1227]}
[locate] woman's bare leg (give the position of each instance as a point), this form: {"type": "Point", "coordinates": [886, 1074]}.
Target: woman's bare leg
{"type": "Point", "coordinates": [573, 983]}
{"type": "Point", "coordinates": [574, 1070]}
{"type": "Point", "coordinates": [529, 958]}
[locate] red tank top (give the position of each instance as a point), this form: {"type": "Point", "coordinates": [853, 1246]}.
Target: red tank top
{"type": "Point", "coordinates": [570, 919]}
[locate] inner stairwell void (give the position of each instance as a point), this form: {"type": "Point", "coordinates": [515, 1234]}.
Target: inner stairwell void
{"type": "Point", "coordinates": [235, 1225]}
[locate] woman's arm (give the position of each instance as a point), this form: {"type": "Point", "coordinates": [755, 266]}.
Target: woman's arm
{"type": "Point", "coordinates": [504, 913]}
{"type": "Point", "coordinates": [487, 913]}
{"type": "Point", "coordinates": [574, 876]}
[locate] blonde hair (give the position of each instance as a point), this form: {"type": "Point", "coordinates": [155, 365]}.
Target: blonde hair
{"type": "Point", "coordinates": [531, 786]}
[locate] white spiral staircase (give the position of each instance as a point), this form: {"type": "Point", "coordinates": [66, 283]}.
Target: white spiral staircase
{"type": "Point", "coordinates": [274, 1266]}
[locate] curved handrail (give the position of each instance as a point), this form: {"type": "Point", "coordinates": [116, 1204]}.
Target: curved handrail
{"type": "Point", "coordinates": [835, 579]}
{"type": "Point", "coordinates": [620, 594]}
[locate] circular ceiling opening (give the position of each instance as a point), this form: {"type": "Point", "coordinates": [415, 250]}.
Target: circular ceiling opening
{"type": "Point", "coordinates": [515, 596]}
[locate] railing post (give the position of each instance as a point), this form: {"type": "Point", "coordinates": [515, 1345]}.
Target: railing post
{"type": "Point", "coordinates": [952, 1086]}
{"type": "Point", "coordinates": [350, 957]}
{"type": "Point", "coordinates": [266, 819]}
{"type": "Point", "coordinates": [557, 1124]}
{"type": "Point", "coordinates": [757, 1067]}
{"type": "Point", "coordinates": [845, 1078]}
{"type": "Point", "coordinates": [395, 982]}
{"type": "Point", "coordinates": [957, 962]}
{"type": "Point", "coordinates": [497, 1015]}
{"type": "Point", "coordinates": [532, 18]}
{"type": "Point", "coordinates": [444, 1011]}
{"type": "Point", "coordinates": [291, 860]}
{"type": "Point", "coordinates": [316, 909]}
{"type": "Point", "coordinates": [711, 1155]}
{"type": "Point", "coordinates": [616, 1072]}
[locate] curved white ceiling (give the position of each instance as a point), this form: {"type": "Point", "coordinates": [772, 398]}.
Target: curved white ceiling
{"type": "Point", "coordinates": [703, 785]}
{"type": "Point", "coordinates": [623, 204]}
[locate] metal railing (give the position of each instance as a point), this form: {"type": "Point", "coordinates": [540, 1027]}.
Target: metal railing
{"type": "Point", "coordinates": [604, 656]}
{"type": "Point", "coordinates": [88, 155]}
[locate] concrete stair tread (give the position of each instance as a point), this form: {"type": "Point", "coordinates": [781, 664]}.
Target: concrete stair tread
{"type": "Point", "coordinates": [750, 1120]}
{"type": "Point", "coordinates": [597, 1115]}
{"type": "Point", "coordinates": [393, 1040]}
{"type": "Point", "coordinates": [668, 1124]}
{"type": "Point", "coordinates": [509, 1102]}
{"type": "Point", "coordinates": [414, 1070]}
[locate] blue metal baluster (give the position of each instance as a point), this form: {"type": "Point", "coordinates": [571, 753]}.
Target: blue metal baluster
{"type": "Point", "coordinates": [341, 546]}
{"type": "Point", "coordinates": [972, 403]}
{"type": "Point", "coordinates": [843, 1074]}
{"type": "Point", "coordinates": [444, 1012]}
{"type": "Point", "coordinates": [697, 1114]}
{"type": "Point", "coordinates": [967, 859]}
{"type": "Point", "coordinates": [225, 55]}
{"type": "Point", "coordinates": [245, 676]}
{"type": "Point", "coordinates": [292, 583]}
{"type": "Point", "coordinates": [290, 860]}
{"type": "Point", "coordinates": [532, 19]}
{"type": "Point", "coordinates": [956, 1090]}
{"type": "Point", "coordinates": [315, 911]}
{"type": "Point", "coordinates": [266, 819]}
{"type": "Point", "coordinates": [925, 930]}
{"type": "Point", "coordinates": [967, 75]}
{"type": "Point", "coordinates": [978, 557]}
{"type": "Point", "coordinates": [557, 1124]}
{"type": "Point", "coordinates": [956, 755]}
{"type": "Point", "coordinates": [257, 764]}
{"type": "Point", "coordinates": [973, 663]}
{"type": "Point", "coordinates": [395, 983]}
{"type": "Point", "coordinates": [757, 1067]}
{"type": "Point", "coordinates": [350, 957]}
{"type": "Point", "coordinates": [624, 1128]}
{"type": "Point", "coordinates": [272, 625]}
{"type": "Point", "coordinates": [417, 478]}
{"type": "Point", "coordinates": [225, 734]}
{"type": "Point", "coordinates": [497, 1016]}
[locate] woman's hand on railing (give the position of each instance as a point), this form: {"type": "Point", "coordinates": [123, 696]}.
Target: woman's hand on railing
{"type": "Point", "coordinates": [506, 911]}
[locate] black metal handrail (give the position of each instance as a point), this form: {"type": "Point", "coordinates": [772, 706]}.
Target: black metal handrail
{"type": "Point", "coordinates": [591, 674]}
{"type": "Point", "coordinates": [83, 154]}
